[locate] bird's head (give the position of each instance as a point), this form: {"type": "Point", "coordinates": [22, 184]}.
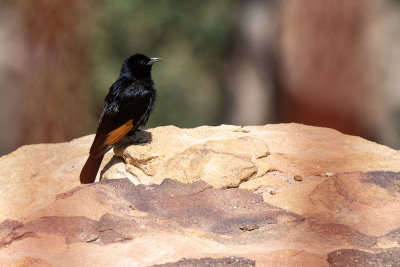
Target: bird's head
{"type": "Point", "coordinates": [138, 66]}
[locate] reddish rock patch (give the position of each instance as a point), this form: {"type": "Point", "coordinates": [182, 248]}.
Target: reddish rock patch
{"type": "Point", "coordinates": [231, 261]}
{"type": "Point", "coordinates": [200, 206]}
{"type": "Point", "coordinates": [384, 179]}
{"type": "Point", "coordinates": [358, 258]}
{"type": "Point", "coordinates": [11, 230]}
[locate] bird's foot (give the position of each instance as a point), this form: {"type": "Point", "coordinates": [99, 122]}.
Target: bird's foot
{"type": "Point", "coordinates": [136, 136]}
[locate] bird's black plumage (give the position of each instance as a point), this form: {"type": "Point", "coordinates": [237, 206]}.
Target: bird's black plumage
{"type": "Point", "coordinates": [127, 107]}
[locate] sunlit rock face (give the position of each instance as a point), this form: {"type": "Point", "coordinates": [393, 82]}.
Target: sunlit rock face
{"type": "Point", "coordinates": [273, 195]}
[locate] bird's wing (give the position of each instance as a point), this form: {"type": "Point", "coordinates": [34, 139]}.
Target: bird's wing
{"type": "Point", "coordinates": [121, 113]}
{"type": "Point", "coordinates": [104, 140]}
{"type": "Point", "coordinates": [116, 134]}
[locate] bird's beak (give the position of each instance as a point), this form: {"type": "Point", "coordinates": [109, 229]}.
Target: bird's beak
{"type": "Point", "coordinates": [154, 60]}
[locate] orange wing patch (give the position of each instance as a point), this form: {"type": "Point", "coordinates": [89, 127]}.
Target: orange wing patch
{"type": "Point", "coordinates": [117, 134]}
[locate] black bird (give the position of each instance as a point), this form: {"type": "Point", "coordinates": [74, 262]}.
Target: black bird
{"type": "Point", "coordinates": [127, 107]}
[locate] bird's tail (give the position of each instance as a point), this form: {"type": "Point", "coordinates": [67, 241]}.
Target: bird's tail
{"type": "Point", "coordinates": [90, 169]}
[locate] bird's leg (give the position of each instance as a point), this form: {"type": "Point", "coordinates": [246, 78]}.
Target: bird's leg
{"type": "Point", "coordinates": [132, 135]}
{"type": "Point", "coordinates": [134, 131]}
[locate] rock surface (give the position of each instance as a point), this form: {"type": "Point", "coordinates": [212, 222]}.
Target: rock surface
{"type": "Point", "coordinates": [273, 195]}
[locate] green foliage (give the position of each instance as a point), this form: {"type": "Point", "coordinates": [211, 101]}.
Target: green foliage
{"type": "Point", "coordinates": [191, 36]}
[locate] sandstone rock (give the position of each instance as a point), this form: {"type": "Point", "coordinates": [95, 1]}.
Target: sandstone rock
{"type": "Point", "coordinates": [357, 258]}
{"type": "Point", "coordinates": [232, 261]}
{"type": "Point", "coordinates": [274, 195]}
{"type": "Point", "coordinates": [229, 156]}
{"type": "Point", "coordinates": [32, 176]}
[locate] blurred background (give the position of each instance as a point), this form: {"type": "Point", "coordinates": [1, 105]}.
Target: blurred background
{"type": "Point", "coordinates": [326, 63]}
